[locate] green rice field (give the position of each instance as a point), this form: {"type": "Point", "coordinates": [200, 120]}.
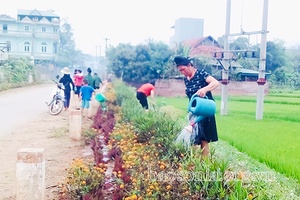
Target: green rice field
{"type": "Point", "coordinates": [273, 140]}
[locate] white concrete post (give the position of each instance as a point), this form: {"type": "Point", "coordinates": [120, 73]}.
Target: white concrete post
{"type": "Point", "coordinates": [30, 78]}
{"type": "Point", "coordinates": [75, 124]}
{"type": "Point", "coordinates": [30, 174]}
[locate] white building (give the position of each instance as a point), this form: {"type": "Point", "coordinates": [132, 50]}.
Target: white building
{"type": "Point", "coordinates": [34, 34]}
{"type": "Point", "coordinates": [187, 29]}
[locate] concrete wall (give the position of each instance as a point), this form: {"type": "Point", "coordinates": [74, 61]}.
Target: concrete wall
{"type": "Point", "coordinates": [175, 87]}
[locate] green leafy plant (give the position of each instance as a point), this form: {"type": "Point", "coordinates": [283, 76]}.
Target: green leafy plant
{"type": "Point", "coordinates": [83, 176]}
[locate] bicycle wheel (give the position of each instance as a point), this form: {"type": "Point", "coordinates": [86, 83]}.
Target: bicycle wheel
{"type": "Point", "coordinates": [56, 107]}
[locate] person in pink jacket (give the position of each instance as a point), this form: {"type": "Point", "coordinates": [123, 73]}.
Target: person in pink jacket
{"type": "Point", "coordinates": [78, 81]}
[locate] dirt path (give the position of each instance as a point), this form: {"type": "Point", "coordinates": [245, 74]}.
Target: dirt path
{"type": "Point", "coordinates": [50, 133]}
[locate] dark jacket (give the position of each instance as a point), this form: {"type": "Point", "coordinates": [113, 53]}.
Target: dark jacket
{"type": "Point", "coordinates": [97, 81]}
{"type": "Point", "coordinates": [67, 81]}
{"type": "Point", "coordinates": [90, 79]}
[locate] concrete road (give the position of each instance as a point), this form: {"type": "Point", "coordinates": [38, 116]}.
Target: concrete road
{"type": "Point", "coordinates": [22, 105]}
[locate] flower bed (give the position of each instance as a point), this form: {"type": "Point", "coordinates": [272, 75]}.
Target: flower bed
{"type": "Point", "coordinates": [134, 157]}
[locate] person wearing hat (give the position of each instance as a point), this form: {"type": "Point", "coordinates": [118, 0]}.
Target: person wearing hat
{"type": "Point", "coordinates": [200, 82]}
{"type": "Point", "coordinates": [68, 84]}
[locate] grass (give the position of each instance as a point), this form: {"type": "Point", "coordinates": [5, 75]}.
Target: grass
{"type": "Point", "coordinates": [58, 133]}
{"type": "Point", "coordinates": [272, 185]}
{"type": "Point", "coordinates": [274, 140]}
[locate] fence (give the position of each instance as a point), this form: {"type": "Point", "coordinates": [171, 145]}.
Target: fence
{"type": "Point", "coordinates": [176, 87]}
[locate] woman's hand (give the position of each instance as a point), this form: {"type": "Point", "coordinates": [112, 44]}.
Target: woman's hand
{"type": "Point", "coordinates": [201, 92]}
{"type": "Point", "coordinates": [212, 84]}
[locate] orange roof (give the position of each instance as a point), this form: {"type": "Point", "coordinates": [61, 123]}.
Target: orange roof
{"type": "Point", "coordinates": [205, 51]}
{"type": "Point", "coordinates": [205, 46]}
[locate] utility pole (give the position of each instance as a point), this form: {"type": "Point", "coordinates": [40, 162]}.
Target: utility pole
{"type": "Point", "coordinates": [225, 62]}
{"type": "Point", "coordinates": [98, 60]}
{"type": "Point", "coordinates": [225, 81]}
{"type": "Point", "coordinates": [106, 39]}
{"type": "Point", "coordinates": [262, 64]}
{"type": "Point", "coordinates": [98, 46]}
{"type": "Point", "coordinates": [105, 72]}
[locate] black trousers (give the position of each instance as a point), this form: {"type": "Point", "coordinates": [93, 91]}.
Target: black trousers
{"type": "Point", "coordinates": [67, 98]}
{"type": "Point", "coordinates": [77, 91]}
{"type": "Point", "coordinates": [142, 99]}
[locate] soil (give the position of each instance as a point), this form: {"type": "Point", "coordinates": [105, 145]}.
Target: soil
{"type": "Point", "coordinates": [52, 134]}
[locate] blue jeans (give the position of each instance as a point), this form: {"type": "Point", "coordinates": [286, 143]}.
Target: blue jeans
{"type": "Point", "coordinates": [85, 104]}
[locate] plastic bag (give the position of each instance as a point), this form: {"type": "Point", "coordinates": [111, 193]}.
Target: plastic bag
{"type": "Point", "coordinates": [194, 134]}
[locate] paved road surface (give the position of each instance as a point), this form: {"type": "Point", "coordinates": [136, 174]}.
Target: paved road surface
{"type": "Point", "coordinates": [22, 105]}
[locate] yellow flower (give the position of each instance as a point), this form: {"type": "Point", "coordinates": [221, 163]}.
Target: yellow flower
{"type": "Point", "coordinates": [151, 187]}
{"type": "Point", "coordinates": [162, 167]}
{"type": "Point", "coordinates": [250, 196]}
{"type": "Point", "coordinates": [133, 197]}
{"type": "Point", "coordinates": [240, 175]}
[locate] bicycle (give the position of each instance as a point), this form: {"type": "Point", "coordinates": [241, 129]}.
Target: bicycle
{"type": "Point", "coordinates": [57, 103]}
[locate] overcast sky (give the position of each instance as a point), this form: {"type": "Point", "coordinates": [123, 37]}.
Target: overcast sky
{"type": "Point", "coordinates": [134, 21]}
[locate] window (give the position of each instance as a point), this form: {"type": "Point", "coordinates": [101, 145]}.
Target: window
{"type": "Point", "coordinates": [26, 46]}
{"type": "Point", "coordinates": [44, 47]}
{"type": "Point", "coordinates": [55, 29]}
{"type": "Point", "coordinates": [43, 29]}
{"type": "Point", "coordinates": [4, 28]}
{"type": "Point", "coordinates": [26, 28]}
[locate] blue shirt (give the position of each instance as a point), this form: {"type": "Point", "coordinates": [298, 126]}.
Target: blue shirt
{"type": "Point", "coordinates": [86, 92]}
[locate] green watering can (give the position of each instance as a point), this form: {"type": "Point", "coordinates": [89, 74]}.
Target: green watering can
{"type": "Point", "coordinates": [201, 108]}
{"type": "Point", "coordinates": [100, 97]}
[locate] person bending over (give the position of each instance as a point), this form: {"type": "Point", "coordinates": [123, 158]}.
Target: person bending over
{"type": "Point", "coordinates": [145, 91]}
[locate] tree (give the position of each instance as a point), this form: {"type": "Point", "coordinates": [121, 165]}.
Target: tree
{"type": "Point", "coordinates": [16, 72]}
{"type": "Point", "coordinates": [183, 50]}
{"type": "Point", "coordinates": [279, 76]}
{"type": "Point", "coordinates": [288, 75]}
{"type": "Point", "coordinates": [276, 56]}
{"type": "Point", "coordinates": [161, 56]}
{"type": "Point", "coordinates": [67, 53]}
{"type": "Point", "coordinates": [248, 55]}
{"type": "Point", "coordinates": [139, 63]}
{"type": "Point", "coordinates": [119, 58]}
{"type": "Point", "coordinates": [241, 43]}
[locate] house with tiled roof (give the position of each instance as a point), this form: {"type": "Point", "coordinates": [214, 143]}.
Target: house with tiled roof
{"type": "Point", "coordinates": [205, 47]}
{"type": "Point", "coordinates": [6, 17]}
{"type": "Point", "coordinates": [210, 49]}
